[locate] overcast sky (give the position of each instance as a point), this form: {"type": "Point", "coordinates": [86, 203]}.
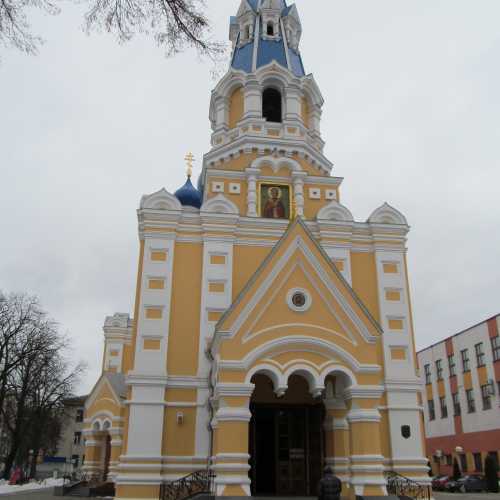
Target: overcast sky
{"type": "Point", "coordinates": [411, 117]}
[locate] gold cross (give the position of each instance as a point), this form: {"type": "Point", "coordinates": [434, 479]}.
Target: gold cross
{"type": "Point", "coordinates": [189, 160]}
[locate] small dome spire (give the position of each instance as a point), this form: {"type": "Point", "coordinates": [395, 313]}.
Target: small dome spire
{"type": "Point", "coordinates": [188, 195]}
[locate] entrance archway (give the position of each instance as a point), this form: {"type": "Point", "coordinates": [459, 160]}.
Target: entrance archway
{"type": "Point", "coordinates": [286, 438]}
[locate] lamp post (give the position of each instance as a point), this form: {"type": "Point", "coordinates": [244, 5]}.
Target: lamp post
{"type": "Point", "coordinates": [30, 463]}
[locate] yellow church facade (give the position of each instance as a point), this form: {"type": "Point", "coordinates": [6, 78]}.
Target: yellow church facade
{"type": "Point", "coordinates": [272, 333]}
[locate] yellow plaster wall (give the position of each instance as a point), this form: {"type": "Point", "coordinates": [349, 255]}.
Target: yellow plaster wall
{"type": "Point", "coordinates": [312, 206]}
{"type": "Point", "coordinates": [179, 439]}
{"type": "Point", "coordinates": [236, 107]}
{"type": "Point", "coordinates": [135, 492]}
{"type": "Point", "coordinates": [278, 313]}
{"type": "Point", "coordinates": [182, 358]}
{"type": "Point", "coordinates": [364, 281]}
{"type": "Point", "coordinates": [272, 310]}
{"type": "Point", "coordinates": [305, 112]}
{"type": "Point", "coordinates": [246, 261]}
{"type": "Point", "coordinates": [240, 200]}
{"type": "Point", "coordinates": [181, 395]}
{"type": "Point", "coordinates": [129, 350]}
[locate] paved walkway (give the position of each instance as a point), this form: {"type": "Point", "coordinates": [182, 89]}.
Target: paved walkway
{"type": "Point", "coordinates": [45, 494]}
{"type": "Point", "coordinates": [440, 495]}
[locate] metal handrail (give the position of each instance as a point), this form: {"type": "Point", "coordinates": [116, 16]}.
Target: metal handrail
{"type": "Point", "coordinates": [403, 486]}
{"type": "Point", "coordinates": [196, 483]}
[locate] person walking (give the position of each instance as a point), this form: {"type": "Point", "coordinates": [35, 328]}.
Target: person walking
{"type": "Point", "coordinates": [330, 486]}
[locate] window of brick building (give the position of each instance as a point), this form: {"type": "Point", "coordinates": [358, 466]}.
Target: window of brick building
{"type": "Point", "coordinates": [494, 454]}
{"type": "Point", "coordinates": [439, 369]}
{"type": "Point", "coordinates": [432, 411]}
{"type": "Point", "coordinates": [456, 404]}
{"type": "Point", "coordinates": [471, 405]}
{"type": "Point", "coordinates": [77, 437]}
{"type": "Point", "coordinates": [465, 360]}
{"type": "Point", "coordinates": [79, 415]}
{"type": "Point", "coordinates": [495, 347]}
{"type": "Point", "coordinates": [451, 365]}
{"type": "Point", "coordinates": [463, 462]}
{"type": "Point", "coordinates": [486, 396]}
{"type": "Point", "coordinates": [444, 408]}
{"type": "Point", "coordinates": [427, 370]}
{"type": "Point", "coordinates": [479, 354]}
{"type": "Point", "coordinates": [448, 459]}
{"type": "Point", "coordinates": [478, 463]}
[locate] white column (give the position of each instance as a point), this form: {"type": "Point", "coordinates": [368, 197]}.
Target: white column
{"type": "Point", "coordinates": [252, 174]}
{"type": "Point", "coordinates": [221, 114]}
{"type": "Point", "coordinates": [252, 100]}
{"type": "Point", "coordinates": [298, 191]}
{"type": "Point", "coordinates": [293, 103]}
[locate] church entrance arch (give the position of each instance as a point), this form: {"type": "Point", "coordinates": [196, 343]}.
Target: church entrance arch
{"type": "Point", "coordinates": [286, 440]}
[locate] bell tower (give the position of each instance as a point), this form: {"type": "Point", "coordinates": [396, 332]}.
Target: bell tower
{"type": "Point", "coordinates": [266, 102]}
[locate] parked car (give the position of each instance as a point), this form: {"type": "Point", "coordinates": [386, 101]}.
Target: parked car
{"type": "Point", "coordinates": [468, 483]}
{"type": "Point", "coordinates": [439, 482]}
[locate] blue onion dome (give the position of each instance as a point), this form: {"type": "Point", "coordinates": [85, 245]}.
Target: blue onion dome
{"type": "Point", "coordinates": [188, 195]}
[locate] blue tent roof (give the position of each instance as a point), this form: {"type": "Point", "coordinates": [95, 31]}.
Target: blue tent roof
{"type": "Point", "coordinates": [267, 52]}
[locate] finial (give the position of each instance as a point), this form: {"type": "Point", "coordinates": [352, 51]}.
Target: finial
{"type": "Point", "coordinates": [189, 160]}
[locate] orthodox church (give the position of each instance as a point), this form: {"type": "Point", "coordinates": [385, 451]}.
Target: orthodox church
{"type": "Point", "coordinates": [272, 333]}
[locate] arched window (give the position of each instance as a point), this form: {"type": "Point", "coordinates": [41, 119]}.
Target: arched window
{"type": "Point", "coordinates": [270, 29]}
{"type": "Point", "coordinates": [271, 105]}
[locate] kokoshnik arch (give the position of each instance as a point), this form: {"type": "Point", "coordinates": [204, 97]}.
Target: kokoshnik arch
{"type": "Point", "coordinates": [272, 334]}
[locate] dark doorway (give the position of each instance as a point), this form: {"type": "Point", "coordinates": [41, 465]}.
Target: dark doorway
{"type": "Point", "coordinates": [271, 105]}
{"type": "Point", "coordinates": [286, 440]}
{"type": "Point", "coordinates": [107, 457]}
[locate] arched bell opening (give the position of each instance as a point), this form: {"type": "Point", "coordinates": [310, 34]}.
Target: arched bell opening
{"type": "Point", "coordinates": [286, 437]}
{"type": "Point", "coordinates": [272, 105]}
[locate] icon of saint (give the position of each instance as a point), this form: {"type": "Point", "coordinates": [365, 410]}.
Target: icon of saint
{"type": "Point", "coordinates": [274, 208]}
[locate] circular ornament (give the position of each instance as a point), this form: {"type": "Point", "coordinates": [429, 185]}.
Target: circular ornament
{"type": "Point", "coordinates": [298, 300]}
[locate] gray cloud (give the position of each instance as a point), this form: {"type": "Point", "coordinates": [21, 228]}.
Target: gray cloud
{"type": "Point", "coordinates": [411, 117]}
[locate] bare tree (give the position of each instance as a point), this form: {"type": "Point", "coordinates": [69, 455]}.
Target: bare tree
{"type": "Point", "coordinates": [15, 30]}
{"type": "Point", "coordinates": [174, 24]}
{"type": "Point", "coordinates": [38, 381]}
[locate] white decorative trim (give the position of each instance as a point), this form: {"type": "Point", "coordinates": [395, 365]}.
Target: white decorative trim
{"type": "Point", "coordinates": [386, 214]}
{"type": "Point", "coordinates": [335, 211]}
{"type": "Point", "coordinates": [314, 193]}
{"type": "Point", "coordinates": [230, 414]}
{"type": "Point", "coordinates": [161, 200]}
{"type": "Point", "coordinates": [219, 205]}
{"type": "Point", "coordinates": [217, 187]}
{"type": "Point", "coordinates": [363, 415]}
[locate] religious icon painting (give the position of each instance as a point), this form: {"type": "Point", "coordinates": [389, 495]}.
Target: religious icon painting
{"type": "Point", "coordinates": [275, 201]}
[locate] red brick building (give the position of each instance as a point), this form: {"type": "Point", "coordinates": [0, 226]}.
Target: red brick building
{"type": "Point", "coordinates": [461, 397]}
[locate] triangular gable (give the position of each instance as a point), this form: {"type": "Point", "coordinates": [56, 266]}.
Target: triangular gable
{"type": "Point", "coordinates": [297, 237]}
{"type": "Point", "coordinates": [103, 385]}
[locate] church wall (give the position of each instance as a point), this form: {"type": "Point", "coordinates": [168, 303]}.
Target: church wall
{"type": "Point", "coordinates": [236, 105]}
{"type": "Point", "coordinates": [182, 356]}
{"type": "Point", "coordinates": [364, 281]}
{"type": "Point", "coordinates": [305, 111]}
{"type": "Point", "coordinates": [129, 354]}
{"type": "Point", "coordinates": [246, 261]}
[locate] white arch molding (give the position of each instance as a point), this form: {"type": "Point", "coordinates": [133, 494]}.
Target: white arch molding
{"type": "Point", "coordinates": [161, 200]}
{"type": "Point", "coordinates": [219, 205]}
{"type": "Point", "coordinates": [275, 162]}
{"type": "Point", "coordinates": [386, 214]}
